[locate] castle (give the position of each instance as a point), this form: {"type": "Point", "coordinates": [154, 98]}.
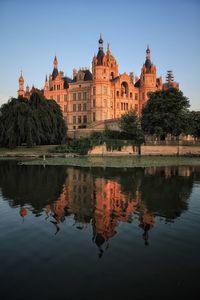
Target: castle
{"type": "Point", "coordinates": [88, 100]}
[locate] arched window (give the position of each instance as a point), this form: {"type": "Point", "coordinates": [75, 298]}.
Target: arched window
{"type": "Point", "coordinates": [124, 89]}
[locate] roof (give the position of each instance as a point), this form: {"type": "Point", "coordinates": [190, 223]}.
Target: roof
{"type": "Point", "coordinates": [67, 80]}
{"type": "Point", "coordinates": [88, 75]}
{"type": "Point", "coordinates": [100, 56]}
{"type": "Point", "coordinates": [54, 73]}
{"type": "Point", "coordinates": [148, 65]}
{"type": "Point", "coordinates": [137, 84]}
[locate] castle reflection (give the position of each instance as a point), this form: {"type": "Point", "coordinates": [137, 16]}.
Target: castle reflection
{"type": "Point", "coordinates": [100, 197]}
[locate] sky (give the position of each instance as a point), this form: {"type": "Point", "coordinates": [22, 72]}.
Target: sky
{"type": "Point", "coordinates": [32, 32]}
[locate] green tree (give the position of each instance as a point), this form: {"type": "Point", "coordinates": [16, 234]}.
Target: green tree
{"type": "Point", "coordinates": [165, 113]}
{"type": "Point", "coordinates": [37, 121]}
{"type": "Point", "coordinates": [131, 129]}
{"type": "Point", "coordinates": [194, 123]}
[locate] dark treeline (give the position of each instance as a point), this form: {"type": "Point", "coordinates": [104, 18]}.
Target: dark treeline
{"type": "Point", "coordinates": [31, 122]}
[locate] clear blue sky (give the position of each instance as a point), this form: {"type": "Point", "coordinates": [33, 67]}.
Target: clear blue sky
{"type": "Point", "coordinates": [33, 31]}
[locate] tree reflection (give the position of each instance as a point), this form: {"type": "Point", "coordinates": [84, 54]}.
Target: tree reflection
{"type": "Point", "coordinates": [100, 197]}
{"type": "Point", "coordinates": [33, 185]}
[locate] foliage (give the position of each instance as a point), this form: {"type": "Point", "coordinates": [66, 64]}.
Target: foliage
{"type": "Point", "coordinates": [131, 129]}
{"type": "Point", "coordinates": [31, 122]}
{"type": "Point", "coordinates": [165, 113]}
{"type": "Point", "coordinates": [194, 123]}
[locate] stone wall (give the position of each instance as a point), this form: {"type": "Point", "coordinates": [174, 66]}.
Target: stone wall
{"type": "Point", "coordinates": [147, 150]}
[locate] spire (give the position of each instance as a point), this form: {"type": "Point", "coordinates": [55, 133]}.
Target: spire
{"type": "Point", "coordinates": [148, 53]}
{"type": "Point", "coordinates": [46, 79]}
{"type": "Point", "coordinates": [170, 76]}
{"type": "Point", "coordinates": [21, 78]}
{"type": "Point", "coordinates": [55, 69]}
{"type": "Point", "coordinates": [100, 42]}
{"type": "Point", "coordinates": [55, 62]}
{"type": "Point", "coordinates": [100, 54]}
{"type": "Point", "coordinates": [148, 63]}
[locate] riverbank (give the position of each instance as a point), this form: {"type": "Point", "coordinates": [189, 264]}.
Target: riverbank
{"type": "Point", "coordinates": [49, 151]}
{"type": "Point", "coordinates": [117, 162]}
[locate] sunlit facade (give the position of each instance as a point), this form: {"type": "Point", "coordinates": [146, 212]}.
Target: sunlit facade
{"type": "Point", "coordinates": [88, 99]}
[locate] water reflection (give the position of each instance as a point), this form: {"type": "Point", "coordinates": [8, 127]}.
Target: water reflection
{"type": "Point", "coordinates": [103, 198]}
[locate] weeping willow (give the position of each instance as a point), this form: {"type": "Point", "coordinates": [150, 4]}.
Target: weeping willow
{"type": "Point", "coordinates": [31, 122]}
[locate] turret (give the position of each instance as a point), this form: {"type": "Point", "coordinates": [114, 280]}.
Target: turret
{"type": "Point", "coordinates": [21, 91]}
{"type": "Point", "coordinates": [46, 85]}
{"type": "Point", "coordinates": [170, 81]}
{"type": "Point", "coordinates": [55, 69]}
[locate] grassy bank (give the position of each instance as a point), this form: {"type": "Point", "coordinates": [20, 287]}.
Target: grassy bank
{"type": "Point", "coordinates": [118, 162]}
{"type": "Point", "coordinates": [25, 151]}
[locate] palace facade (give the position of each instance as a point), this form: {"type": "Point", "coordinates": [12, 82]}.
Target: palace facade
{"type": "Point", "coordinates": [89, 99]}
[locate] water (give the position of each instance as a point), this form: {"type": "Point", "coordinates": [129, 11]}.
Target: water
{"type": "Point", "coordinates": [94, 233]}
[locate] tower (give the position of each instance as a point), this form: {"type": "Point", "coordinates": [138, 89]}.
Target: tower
{"type": "Point", "coordinates": [21, 91]}
{"type": "Point", "coordinates": [147, 78]}
{"type": "Point", "coordinates": [101, 85]}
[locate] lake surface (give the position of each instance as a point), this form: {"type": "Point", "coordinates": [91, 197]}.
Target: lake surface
{"type": "Point", "coordinates": [99, 233]}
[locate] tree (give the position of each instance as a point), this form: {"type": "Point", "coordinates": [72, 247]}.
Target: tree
{"type": "Point", "coordinates": [131, 129]}
{"type": "Point", "coordinates": [194, 123]}
{"type": "Point", "coordinates": [165, 113]}
{"type": "Point", "coordinates": [37, 121]}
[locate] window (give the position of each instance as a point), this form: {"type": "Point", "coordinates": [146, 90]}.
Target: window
{"type": "Point", "coordinates": [74, 107]}
{"type": "Point", "coordinates": [74, 96]}
{"type": "Point", "coordinates": [126, 106]}
{"type": "Point", "coordinates": [105, 90]}
{"type": "Point", "coordinates": [79, 119]}
{"type": "Point", "coordinates": [118, 105]}
{"type": "Point", "coordinates": [131, 95]}
{"type": "Point", "coordinates": [84, 119]}
{"type": "Point", "coordinates": [79, 107]}
{"type": "Point", "coordinates": [84, 96]}
{"type": "Point", "coordinates": [94, 90]}
{"type": "Point", "coordinates": [136, 96]}
{"type": "Point", "coordinates": [84, 106]}
{"type": "Point", "coordinates": [122, 106]}
{"type": "Point", "coordinates": [136, 107]}
{"type": "Point", "coordinates": [117, 93]}
{"type": "Point", "coordinates": [94, 117]}
{"type": "Point", "coordinates": [54, 87]}
{"type": "Point", "coordinates": [58, 98]}
{"type": "Point", "coordinates": [94, 103]}
{"type": "Point", "coordinates": [74, 120]}
{"type": "Point", "coordinates": [79, 96]}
